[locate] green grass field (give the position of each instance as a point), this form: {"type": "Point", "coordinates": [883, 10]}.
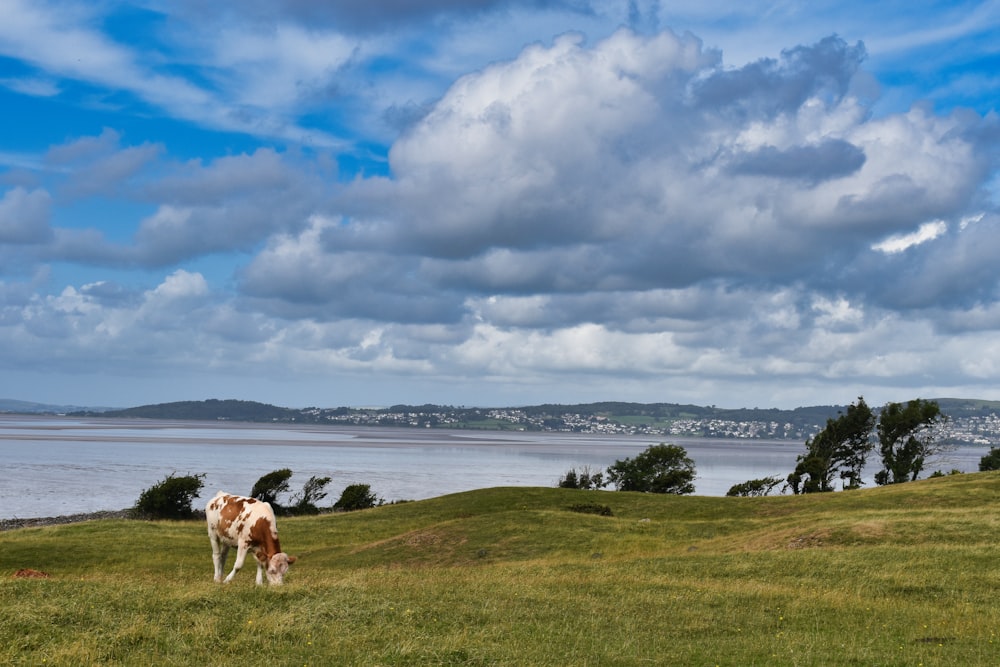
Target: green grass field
{"type": "Point", "coordinates": [904, 575]}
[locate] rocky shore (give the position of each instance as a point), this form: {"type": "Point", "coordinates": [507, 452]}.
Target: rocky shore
{"type": "Point", "coordinates": [12, 524]}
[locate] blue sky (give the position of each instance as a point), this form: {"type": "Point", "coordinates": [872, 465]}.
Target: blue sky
{"type": "Point", "coordinates": [499, 202]}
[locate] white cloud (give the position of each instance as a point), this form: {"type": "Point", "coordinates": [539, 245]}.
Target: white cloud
{"type": "Point", "coordinates": [900, 242]}
{"type": "Point", "coordinates": [278, 67]}
{"type": "Point", "coordinates": [180, 286]}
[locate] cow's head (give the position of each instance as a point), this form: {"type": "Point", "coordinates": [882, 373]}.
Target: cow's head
{"type": "Point", "coordinates": [277, 566]}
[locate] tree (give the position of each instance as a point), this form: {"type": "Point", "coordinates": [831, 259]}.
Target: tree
{"type": "Point", "coordinates": [991, 461]}
{"type": "Point", "coordinates": [312, 492]}
{"type": "Point", "coordinates": [356, 497]}
{"type": "Point", "coordinates": [660, 468]}
{"type": "Point", "coordinates": [170, 498]}
{"type": "Point", "coordinates": [906, 439]}
{"type": "Point", "coordinates": [270, 485]}
{"type": "Point", "coordinates": [754, 487]}
{"type": "Point", "coordinates": [841, 447]}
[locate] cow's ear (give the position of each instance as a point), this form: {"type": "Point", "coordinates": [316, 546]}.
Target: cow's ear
{"type": "Point", "coordinates": [292, 559]}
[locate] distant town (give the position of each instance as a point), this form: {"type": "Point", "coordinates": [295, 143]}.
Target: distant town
{"type": "Point", "coordinates": [965, 430]}
{"type": "Point", "coordinates": [970, 422]}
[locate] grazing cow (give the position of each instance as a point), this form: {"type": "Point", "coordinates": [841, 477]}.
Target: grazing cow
{"type": "Point", "coordinates": [247, 524]}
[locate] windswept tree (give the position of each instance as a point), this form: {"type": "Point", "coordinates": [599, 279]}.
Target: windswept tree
{"type": "Point", "coordinates": [312, 492]}
{"type": "Point", "coordinates": [170, 499]}
{"type": "Point", "coordinates": [659, 469]}
{"type": "Point", "coordinates": [906, 439]}
{"type": "Point", "coordinates": [270, 485]}
{"type": "Point", "coordinates": [755, 488]}
{"type": "Point", "coordinates": [840, 449]}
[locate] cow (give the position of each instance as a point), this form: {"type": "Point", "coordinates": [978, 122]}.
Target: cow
{"type": "Point", "coordinates": [247, 524]}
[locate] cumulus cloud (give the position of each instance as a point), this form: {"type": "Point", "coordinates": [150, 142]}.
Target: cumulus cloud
{"type": "Point", "coordinates": [231, 204]}
{"type": "Point", "coordinates": [296, 276]}
{"type": "Point", "coordinates": [641, 163]}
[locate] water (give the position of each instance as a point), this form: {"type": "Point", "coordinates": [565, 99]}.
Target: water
{"type": "Point", "coordinates": [53, 466]}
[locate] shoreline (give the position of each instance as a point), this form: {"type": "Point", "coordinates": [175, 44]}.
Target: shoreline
{"type": "Point", "coordinates": [38, 522]}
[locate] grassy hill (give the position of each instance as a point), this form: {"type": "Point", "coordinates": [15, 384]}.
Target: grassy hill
{"type": "Point", "coordinates": [903, 575]}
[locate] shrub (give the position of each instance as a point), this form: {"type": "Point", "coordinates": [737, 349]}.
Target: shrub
{"type": "Point", "coordinates": [356, 497]}
{"type": "Point", "coordinates": [591, 508]}
{"type": "Point", "coordinates": [570, 481]}
{"type": "Point", "coordinates": [585, 479]}
{"type": "Point", "coordinates": [169, 499]}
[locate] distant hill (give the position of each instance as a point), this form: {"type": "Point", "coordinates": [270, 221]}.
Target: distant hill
{"type": "Point", "coordinates": [212, 409]}
{"type": "Point", "coordinates": [27, 407]}
{"type": "Point", "coordinates": [968, 407]}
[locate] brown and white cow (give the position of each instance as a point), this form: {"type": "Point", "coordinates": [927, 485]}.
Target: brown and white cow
{"type": "Point", "coordinates": [247, 524]}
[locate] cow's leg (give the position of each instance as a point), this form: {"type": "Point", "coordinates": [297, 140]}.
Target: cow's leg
{"type": "Point", "coordinates": [220, 561]}
{"type": "Point", "coordinates": [241, 555]}
{"type": "Point", "coordinates": [219, 553]}
{"type": "Point", "coordinates": [260, 572]}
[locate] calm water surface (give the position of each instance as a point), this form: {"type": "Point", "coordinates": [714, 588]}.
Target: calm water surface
{"type": "Point", "coordinates": [54, 466]}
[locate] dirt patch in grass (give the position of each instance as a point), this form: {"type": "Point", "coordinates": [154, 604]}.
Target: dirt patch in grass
{"type": "Point", "coordinates": [423, 538]}
{"type": "Point", "coordinates": [28, 573]}
{"type": "Point", "coordinates": [817, 538]}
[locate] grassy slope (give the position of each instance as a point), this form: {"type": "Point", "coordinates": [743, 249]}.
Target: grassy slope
{"type": "Point", "coordinates": [901, 575]}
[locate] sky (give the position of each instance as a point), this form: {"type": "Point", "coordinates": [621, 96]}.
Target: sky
{"type": "Point", "coordinates": [499, 202]}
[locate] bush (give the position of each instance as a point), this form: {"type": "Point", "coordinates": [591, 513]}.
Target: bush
{"type": "Point", "coordinates": [585, 479]}
{"type": "Point", "coordinates": [570, 481]}
{"type": "Point", "coordinates": [356, 497]}
{"type": "Point", "coordinates": [591, 508]}
{"type": "Point", "coordinates": [270, 485]}
{"type": "Point", "coordinates": [169, 499]}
